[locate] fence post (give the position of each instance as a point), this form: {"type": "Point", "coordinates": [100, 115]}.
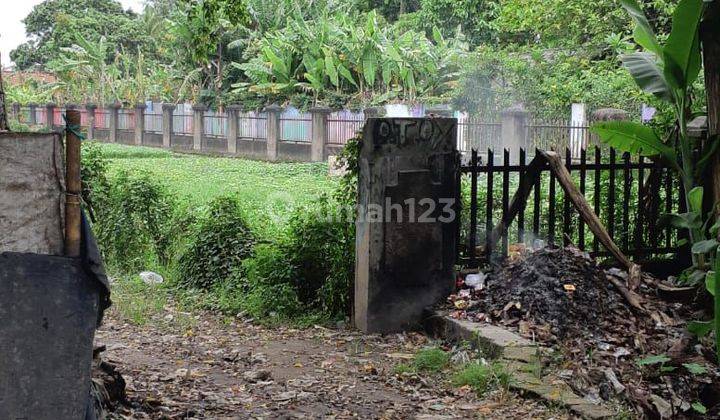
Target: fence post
{"type": "Point", "coordinates": [319, 132]}
{"type": "Point", "coordinates": [578, 136]}
{"type": "Point", "coordinates": [273, 130]}
{"type": "Point", "coordinates": [233, 129]}
{"type": "Point", "coordinates": [514, 130]}
{"type": "Point", "coordinates": [16, 111]}
{"type": "Point", "coordinates": [167, 124]}
{"type": "Point", "coordinates": [140, 123]}
{"type": "Point", "coordinates": [32, 116]}
{"type": "Point", "coordinates": [198, 125]}
{"type": "Point", "coordinates": [49, 116]}
{"type": "Point", "coordinates": [113, 113]}
{"type": "Point", "coordinates": [90, 120]}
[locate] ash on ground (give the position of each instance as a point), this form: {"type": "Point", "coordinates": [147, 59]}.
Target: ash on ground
{"type": "Point", "coordinates": [561, 298]}
{"type": "Point", "coordinates": [559, 289]}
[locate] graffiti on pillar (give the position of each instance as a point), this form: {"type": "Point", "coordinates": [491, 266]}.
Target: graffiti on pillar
{"type": "Point", "coordinates": [414, 131]}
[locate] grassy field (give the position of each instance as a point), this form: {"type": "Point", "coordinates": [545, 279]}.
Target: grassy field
{"type": "Point", "coordinates": [268, 191]}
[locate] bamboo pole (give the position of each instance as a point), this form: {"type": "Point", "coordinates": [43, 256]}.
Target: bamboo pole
{"type": "Point", "coordinates": [74, 187]}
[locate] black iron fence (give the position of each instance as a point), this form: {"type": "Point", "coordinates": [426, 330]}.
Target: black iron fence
{"type": "Point", "coordinates": [628, 193]}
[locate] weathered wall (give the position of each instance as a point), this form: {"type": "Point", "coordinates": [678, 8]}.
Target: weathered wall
{"type": "Point", "coordinates": [405, 255]}
{"type": "Point", "coordinates": [31, 193]}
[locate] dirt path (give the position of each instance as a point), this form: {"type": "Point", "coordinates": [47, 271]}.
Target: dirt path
{"type": "Point", "coordinates": [201, 366]}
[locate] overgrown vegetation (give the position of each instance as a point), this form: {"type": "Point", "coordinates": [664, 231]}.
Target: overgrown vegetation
{"type": "Point", "coordinates": [480, 54]}
{"type": "Point", "coordinates": [221, 252]}
{"type": "Point", "coordinates": [219, 242]}
{"type": "Point", "coordinates": [481, 377]}
{"type": "Point", "coordinates": [669, 70]}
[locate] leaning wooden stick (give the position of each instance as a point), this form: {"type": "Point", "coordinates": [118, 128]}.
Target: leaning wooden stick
{"type": "Point", "coordinates": [73, 220]}
{"type": "Point", "coordinates": [519, 201]}
{"type": "Point", "coordinates": [590, 218]}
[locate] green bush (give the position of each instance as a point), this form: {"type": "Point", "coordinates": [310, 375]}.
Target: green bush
{"type": "Point", "coordinates": [269, 279]}
{"type": "Point", "coordinates": [219, 243]}
{"type": "Point", "coordinates": [307, 269]}
{"type": "Point", "coordinates": [320, 247]}
{"type": "Point", "coordinates": [133, 221]}
{"type": "Point", "coordinates": [93, 172]}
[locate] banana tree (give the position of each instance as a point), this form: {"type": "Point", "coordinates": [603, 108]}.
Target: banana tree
{"type": "Point", "coordinates": [668, 71]}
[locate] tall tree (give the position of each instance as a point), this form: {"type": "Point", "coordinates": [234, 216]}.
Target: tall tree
{"type": "Point", "coordinates": [203, 29]}
{"type": "Point", "coordinates": [53, 25]}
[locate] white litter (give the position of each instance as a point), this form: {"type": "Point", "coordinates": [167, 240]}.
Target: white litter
{"type": "Point", "coordinates": [476, 281]}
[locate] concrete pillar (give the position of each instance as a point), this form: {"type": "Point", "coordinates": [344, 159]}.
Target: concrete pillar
{"type": "Point", "coordinates": [319, 132]}
{"type": "Point", "coordinates": [16, 111]}
{"type": "Point", "coordinates": [273, 130]}
{"type": "Point", "coordinates": [578, 136]}
{"type": "Point", "coordinates": [167, 124]}
{"type": "Point", "coordinates": [514, 131]}
{"type": "Point", "coordinates": [405, 255]}
{"type": "Point", "coordinates": [90, 120]}
{"type": "Point", "coordinates": [32, 116]}
{"type": "Point", "coordinates": [113, 113]}
{"type": "Point", "coordinates": [198, 126]}
{"type": "Point", "coordinates": [232, 132]}
{"type": "Point", "coordinates": [140, 123]}
{"type": "Point", "coordinates": [49, 116]}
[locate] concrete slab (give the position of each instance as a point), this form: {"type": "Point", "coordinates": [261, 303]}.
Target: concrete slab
{"type": "Point", "coordinates": [519, 355]}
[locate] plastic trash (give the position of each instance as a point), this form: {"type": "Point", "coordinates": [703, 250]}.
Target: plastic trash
{"type": "Point", "coordinates": [151, 278]}
{"type": "Point", "coordinates": [476, 281]}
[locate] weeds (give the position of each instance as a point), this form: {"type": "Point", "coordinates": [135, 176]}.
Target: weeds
{"type": "Point", "coordinates": [482, 378]}
{"type": "Point", "coordinates": [137, 302]}
{"type": "Point", "coordinates": [427, 360]}
{"type": "Point", "coordinates": [231, 235]}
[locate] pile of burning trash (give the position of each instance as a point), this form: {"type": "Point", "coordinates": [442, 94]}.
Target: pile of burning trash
{"type": "Point", "coordinates": [609, 343]}
{"type": "Point", "coordinates": [550, 291]}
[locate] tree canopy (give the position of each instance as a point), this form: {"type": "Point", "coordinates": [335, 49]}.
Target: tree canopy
{"type": "Point", "coordinates": [55, 24]}
{"type": "Point", "coordinates": [479, 54]}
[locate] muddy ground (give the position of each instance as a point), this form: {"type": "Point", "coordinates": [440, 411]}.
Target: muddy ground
{"type": "Point", "coordinates": [184, 365]}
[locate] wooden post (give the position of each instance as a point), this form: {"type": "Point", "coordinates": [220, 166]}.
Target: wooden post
{"type": "Point", "coordinates": [72, 179]}
{"type": "Point", "coordinates": [16, 111]}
